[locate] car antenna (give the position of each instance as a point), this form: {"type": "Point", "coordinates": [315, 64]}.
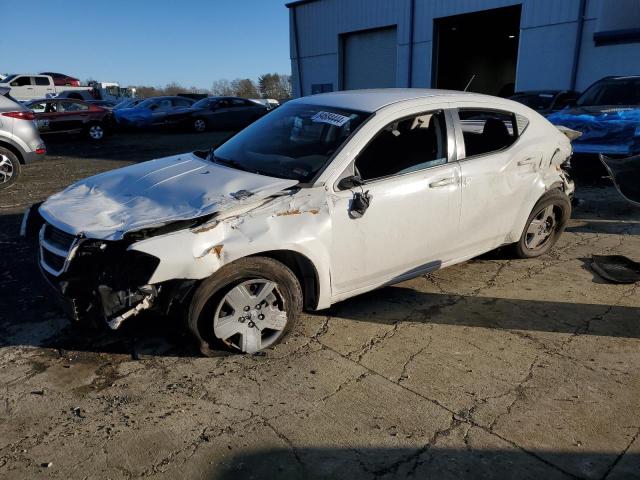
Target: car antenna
{"type": "Point", "coordinates": [473, 77]}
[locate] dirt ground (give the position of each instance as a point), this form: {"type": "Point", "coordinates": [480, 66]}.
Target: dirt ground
{"type": "Point", "coordinates": [496, 368]}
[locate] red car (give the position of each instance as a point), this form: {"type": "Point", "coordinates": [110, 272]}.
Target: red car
{"type": "Point", "coordinates": [62, 80]}
{"type": "Point", "coordinates": [70, 116]}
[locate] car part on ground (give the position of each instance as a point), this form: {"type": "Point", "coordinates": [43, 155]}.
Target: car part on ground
{"type": "Point", "coordinates": [625, 174]}
{"type": "Point", "coordinates": [20, 141]}
{"type": "Point", "coordinates": [616, 268]}
{"type": "Point", "coordinates": [269, 212]}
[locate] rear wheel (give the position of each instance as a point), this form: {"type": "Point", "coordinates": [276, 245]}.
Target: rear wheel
{"type": "Point", "coordinates": [199, 125]}
{"type": "Point", "coordinates": [545, 225]}
{"type": "Point", "coordinates": [96, 131]}
{"type": "Point", "coordinates": [247, 306]}
{"type": "Point", "coordinates": [9, 168]}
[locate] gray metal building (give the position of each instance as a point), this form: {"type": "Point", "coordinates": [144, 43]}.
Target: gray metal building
{"type": "Point", "coordinates": [495, 45]}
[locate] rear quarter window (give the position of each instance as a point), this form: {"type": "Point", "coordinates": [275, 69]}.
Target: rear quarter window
{"type": "Point", "coordinates": [487, 131]}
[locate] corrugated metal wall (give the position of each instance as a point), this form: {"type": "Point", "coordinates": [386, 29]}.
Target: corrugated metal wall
{"type": "Point", "coordinates": [547, 41]}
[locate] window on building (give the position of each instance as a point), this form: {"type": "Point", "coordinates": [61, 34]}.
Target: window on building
{"type": "Point", "coordinates": [619, 24]}
{"type": "Point", "coordinates": [405, 146]}
{"type": "Point", "coordinates": [487, 131]}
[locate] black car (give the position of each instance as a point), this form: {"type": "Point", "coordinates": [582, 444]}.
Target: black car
{"type": "Point", "coordinates": [219, 113]}
{"type": "Point", "coordinates": [546, 101]}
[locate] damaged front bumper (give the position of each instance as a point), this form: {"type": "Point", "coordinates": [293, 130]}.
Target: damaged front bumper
{"type": "Point", "coordinates": [94, 280]}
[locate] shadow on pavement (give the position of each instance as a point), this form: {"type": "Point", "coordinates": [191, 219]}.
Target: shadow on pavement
{"type": "Point", "coordinates": [438, 463]}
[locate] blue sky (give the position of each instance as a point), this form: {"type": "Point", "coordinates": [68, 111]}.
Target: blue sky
{"type": "Point", "coordinates": [151, 42]}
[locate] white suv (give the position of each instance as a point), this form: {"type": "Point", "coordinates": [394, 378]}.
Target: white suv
{"type": "Point", "coordinates": [322, 199]}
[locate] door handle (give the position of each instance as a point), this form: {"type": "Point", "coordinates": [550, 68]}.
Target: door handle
{"type": "Point", "coordinates": [442, 183]}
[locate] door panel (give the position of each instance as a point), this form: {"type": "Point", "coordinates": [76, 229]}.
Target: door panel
{"type": "Point", "coordinates": [494, 183]}
{"type": "Point", "coordinates": [411, 224]}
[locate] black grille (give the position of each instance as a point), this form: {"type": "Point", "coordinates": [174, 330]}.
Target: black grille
{"type": "Point", "coordinates": [58, 238]}
{"type": "Point", "coordinates": [52, 260]}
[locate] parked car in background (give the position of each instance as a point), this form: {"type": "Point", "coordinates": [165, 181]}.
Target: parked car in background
{"type": "Point", "coordinates": [108, 104]}
{"type": "Point", "coordinates": [68, 116]}
{"type": "Point", "coordinates": [129, 103]}
{"type": "Point", "coordinates": [62, 80]}
{"type": "Point", "coordinates": [20, 141]}
{"type": "Point", "coordinates": [220, 113]}
{"type": "Point", "coordinates": [546, 101]}
{"type": "Point", "coordinates": [608, 116]}
{"type": "Point", "coordinates": [300, 209]}
{"type": "Point", "coordinates": [152, 111]}
{"type": "Point", "coordinates": [31, 87]}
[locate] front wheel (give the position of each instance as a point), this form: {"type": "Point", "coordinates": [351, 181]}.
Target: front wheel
{"type": "Point", "coordinates": [9, 168]}
{"type": "Point", "coordinates": [96, 131]}
{"type": "Point", "coordinates": [545, 225]}
{"type": "Point", "coordinates": [247, 306]}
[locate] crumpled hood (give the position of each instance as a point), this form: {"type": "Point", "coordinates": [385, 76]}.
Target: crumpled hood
{"type": "Point", "coordinates": [601, 125]}
{"type": "Point", "coordinates": [181, 187]}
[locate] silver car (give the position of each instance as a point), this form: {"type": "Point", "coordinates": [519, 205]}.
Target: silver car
{"type": "Point", "coordinates": [20, 142]}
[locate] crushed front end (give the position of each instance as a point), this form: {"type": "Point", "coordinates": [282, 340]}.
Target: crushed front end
{"type": "Point", "coordinates": [96, 280]}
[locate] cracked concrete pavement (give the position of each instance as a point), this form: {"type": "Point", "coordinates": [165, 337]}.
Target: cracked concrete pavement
{"type": "Point", "coordinates": [495, 368]}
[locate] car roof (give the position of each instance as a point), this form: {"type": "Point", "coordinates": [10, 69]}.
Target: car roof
{"type": "Point", "coordinates": [373, 100]}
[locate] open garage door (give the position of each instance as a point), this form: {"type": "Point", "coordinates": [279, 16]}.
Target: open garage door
{"type": "Point", "coordinates": [482, 46]}
{"type": "Point", "coordinates": [369, 59]}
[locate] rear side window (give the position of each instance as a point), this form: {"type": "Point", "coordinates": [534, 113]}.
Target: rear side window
{"type": "Point", "coordinates": [487, 131]}
{"type": "Point", "coordinates": [73, 106]}
{"type": "Point", "coordinates": [42, 81]}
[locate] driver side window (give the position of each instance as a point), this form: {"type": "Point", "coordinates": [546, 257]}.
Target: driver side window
{"type": "Point", "coordinates": [404, 146]}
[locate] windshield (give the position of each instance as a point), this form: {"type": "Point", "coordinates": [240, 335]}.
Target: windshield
{"type": "Point", "coordinates": [147, 103]}
{"type": "Point", "coordinates": [614, 91]}
{"type": "Point", "coordinates": [204, 103]}
{"type": "Point", "coordinates": [537, 101]}
{"type": "Point", "coordinates": [294, 141]}
{"type": "Point", "coordinates": [8, 79]}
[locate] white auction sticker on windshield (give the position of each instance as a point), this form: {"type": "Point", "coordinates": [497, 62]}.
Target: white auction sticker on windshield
{"type": "Point", "coordinates": [330, 118]}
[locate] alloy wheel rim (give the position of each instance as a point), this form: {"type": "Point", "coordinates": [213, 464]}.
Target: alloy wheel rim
{"type": "Point", "coordinates": [199, 125]}
{"type": "Point", "coordinates": [541, 228]}
{"type": "Point", "coordinates": [6, 169]}
{"type": "Point", "coordinates": [251, 316]}
{"type": "Point", "coordinates": [96, 132]}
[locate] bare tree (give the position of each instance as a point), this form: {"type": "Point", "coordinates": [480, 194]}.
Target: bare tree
{"type": "Point", "coordinates": [222, 88]}
{"type": "Point", "coordinates": [244, 87]}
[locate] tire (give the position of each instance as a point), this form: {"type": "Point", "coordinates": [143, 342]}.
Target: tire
{"type": "Point", "coordinates": [96, 131]}
{"type": "Point", "coordinates": [230, 295]}
{"type": "Point", "coordinates": [198, 125]}
{"type": "Point", "coordinates": [10, 168]}
{"type": "Point", "coordinates": [544, 226]}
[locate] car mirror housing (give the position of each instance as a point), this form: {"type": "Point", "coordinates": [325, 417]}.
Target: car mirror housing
{"type": "Point", "coordinates": [350, 182]}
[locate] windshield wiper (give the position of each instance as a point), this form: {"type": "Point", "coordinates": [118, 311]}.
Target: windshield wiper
{"type": "Point", "coordinates": [231, 163]}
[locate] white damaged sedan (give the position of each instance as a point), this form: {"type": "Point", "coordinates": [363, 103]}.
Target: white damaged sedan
{"type": "Point", "coordinates": [322, 199]}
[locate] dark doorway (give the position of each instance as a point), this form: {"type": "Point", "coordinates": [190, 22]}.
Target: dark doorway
{"type": "Point", "coordinates": [482, 46]}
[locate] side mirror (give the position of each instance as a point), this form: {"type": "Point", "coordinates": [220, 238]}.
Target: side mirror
{"type": "Point", "coordinates": [350, 182]}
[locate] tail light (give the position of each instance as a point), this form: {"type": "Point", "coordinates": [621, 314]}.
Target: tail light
{"type": "Point", "coordinates": [21, 115]}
